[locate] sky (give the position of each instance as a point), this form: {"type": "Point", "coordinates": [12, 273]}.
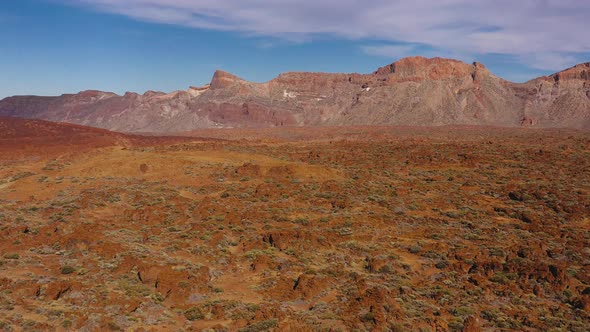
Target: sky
{"type": "Point", "coordinates": [50, 47]}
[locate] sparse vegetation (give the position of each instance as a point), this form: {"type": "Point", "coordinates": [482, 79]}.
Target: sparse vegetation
{"type": "Point", "coordinates": [388, 233]}
{"type": "Point", "coordinates": [194, 313]}
{"type": "Point", "coordinates": [67, 269]}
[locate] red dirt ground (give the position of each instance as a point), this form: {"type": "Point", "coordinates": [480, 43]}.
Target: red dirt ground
{"type": "Point", "coordinates": [294, 229]}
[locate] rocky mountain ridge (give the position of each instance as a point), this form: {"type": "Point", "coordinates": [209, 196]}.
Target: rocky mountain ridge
{"type": "Point", "coordinates": [414, 91]}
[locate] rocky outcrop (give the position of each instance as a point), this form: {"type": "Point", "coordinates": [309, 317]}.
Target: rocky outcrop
{"type": "Point", "coordinates": [560, 100]}
{"type": "Point", "coordinates": [579, 72]}
{"type": "Point", "coordinates": [413, 91]}
{"type": "Point", "coordinates": [420, 68]}
{"type": "Point", "coordinates": [222, 79]}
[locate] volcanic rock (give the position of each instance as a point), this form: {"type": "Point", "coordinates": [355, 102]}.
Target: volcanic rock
{"type": "Point", "coordinates": [414, 91]}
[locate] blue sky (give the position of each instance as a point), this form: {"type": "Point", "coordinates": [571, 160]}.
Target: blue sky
{"type": "Point", "coordinates": [50, 47]}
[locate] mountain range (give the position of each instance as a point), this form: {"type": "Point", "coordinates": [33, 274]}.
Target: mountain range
{"type": "Point", "coordinates": [413, 91]}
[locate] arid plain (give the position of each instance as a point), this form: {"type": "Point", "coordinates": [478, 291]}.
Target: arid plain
{"type": "Point", "coordinates": [294, 229]}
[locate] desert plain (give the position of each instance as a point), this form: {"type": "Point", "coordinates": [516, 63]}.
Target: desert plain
{"type": "Point", "coordinates": [294, 229]}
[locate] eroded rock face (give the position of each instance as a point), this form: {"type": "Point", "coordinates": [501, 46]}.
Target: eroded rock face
{"type": "Point", "coordinates": [420, 68]}
{"type": "Point", "coordinates": [413, 91]}
{"type": "Point", "coordinates": [578, 72]}
{"type": "Point", "coordinates": [222, 79]}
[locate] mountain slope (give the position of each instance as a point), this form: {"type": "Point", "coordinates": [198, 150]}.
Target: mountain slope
{"type": "Point", "coordinates": [412, 91]}
{"type": "Point", "coordinates": [21, 136]}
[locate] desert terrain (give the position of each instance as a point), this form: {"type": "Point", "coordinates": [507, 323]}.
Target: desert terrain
{"type": "Point", "coordinates": [294, 229]}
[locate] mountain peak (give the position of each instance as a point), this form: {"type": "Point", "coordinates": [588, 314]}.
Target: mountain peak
{"type": "Point", "coordinates": [93, 93]}
{"type": "Point", "coordinates": [222, 79]}
{"type": "Point", "coordinates": [420, 67]}
{"type": "Point", "coordinates": [578, 72]}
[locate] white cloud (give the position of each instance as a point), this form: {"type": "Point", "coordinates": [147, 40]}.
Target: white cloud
{"type": "Point", "coordinates": [553, 32]}
{"type": "Point", "coordinates": [390, 51]}
{"type": "Point", "coordinates": [549, 60]}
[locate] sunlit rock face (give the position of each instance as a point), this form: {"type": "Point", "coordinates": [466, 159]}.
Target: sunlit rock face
{"type": "Point", "coordinates": [414, 91]}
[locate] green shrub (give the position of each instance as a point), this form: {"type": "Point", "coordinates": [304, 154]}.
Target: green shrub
{"type": "Point", "coordinates": [194, 313]}
{"type": "Point", "coordinates": [67, 269]}
{"type": "Point", "coordinates": [265, 325]}
{"type": "Point", "coordinates": [12, 256]}
{"type": "Point", "coordinates": [415, 249]}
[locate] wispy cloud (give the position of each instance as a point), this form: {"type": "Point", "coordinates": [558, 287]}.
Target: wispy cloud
{"type": "Point", "coordinates": [550, 32]}
{"type": "Point", "coordinates": [390, 51]}
{"type": "Point", "coordinates": [551, 60]}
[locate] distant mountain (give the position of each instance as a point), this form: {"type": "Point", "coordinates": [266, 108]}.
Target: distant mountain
{"type": "Point", "coordinates": [412, 91]}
